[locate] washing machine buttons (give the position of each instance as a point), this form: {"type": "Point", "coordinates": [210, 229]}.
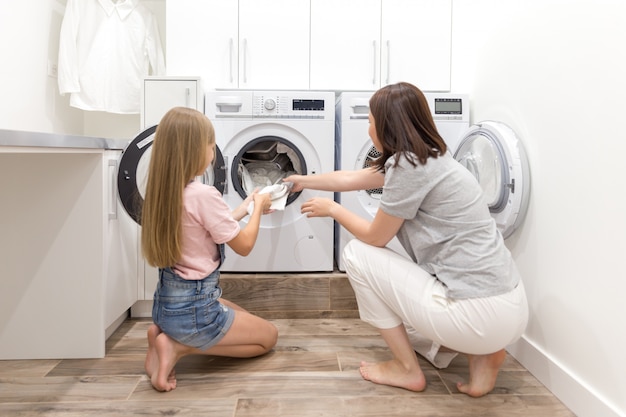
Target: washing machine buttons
{"type": "Point", "coordinates": [270, 104]}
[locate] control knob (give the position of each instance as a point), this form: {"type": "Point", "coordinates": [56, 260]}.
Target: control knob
{"type": "Point", "coordinates": [270, 104]}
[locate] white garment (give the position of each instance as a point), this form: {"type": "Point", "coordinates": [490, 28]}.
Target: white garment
{"type": "Point", "coordinates": [391, 290]}
{"type": "Point", "coordinates": [106, 49]}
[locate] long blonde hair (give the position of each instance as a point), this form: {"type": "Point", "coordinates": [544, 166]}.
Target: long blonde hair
{"type": "Point", "coordinates": [178, 156]}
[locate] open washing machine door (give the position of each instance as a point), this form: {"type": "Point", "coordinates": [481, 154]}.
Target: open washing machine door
{"type": "Point", "coordinates": [493, 153]}
{"type": "Point", "coordinates": [132, 176]}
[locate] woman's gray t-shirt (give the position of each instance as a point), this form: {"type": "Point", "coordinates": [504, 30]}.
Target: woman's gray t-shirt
{"type": "Point", "coordinates": [448, 229]}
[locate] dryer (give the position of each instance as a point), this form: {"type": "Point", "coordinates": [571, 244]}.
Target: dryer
{"type": "Point", "coordinates": [356, 151]}
{"type": "Point", "coordinates": [495, 155]}
{"type": "Point", "coordinates": [266, 136]}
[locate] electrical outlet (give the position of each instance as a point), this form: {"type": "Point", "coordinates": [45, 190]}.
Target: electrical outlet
{"type": "Point", "coordinates": [53, 69]}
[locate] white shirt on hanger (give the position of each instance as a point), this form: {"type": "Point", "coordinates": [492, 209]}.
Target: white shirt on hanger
{"type": "Point", "coordinates": [106, 49]}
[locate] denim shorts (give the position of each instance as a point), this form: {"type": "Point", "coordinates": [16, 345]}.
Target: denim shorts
{"type": "Point", "coordinates": [189, 311]}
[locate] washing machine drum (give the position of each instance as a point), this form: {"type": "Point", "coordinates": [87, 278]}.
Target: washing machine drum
{"type": "Point", "coordinates": [495, 156]}
{"type": "Point", "coordinates": [133, 172]}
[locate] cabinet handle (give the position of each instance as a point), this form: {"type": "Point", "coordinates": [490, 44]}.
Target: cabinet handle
{"type": "Point", "coordinates": [113, 189]}
{"type": "Point", "coordinates": [230, 48]}
{"type": "Point", "coordinates": [374, 68]}
{"type": "Point", "coordinates": [187, 95]}
{"type": "Point", "coordinates": [388, 61]}
{"type": "Point", "coordinates": [245, 61]}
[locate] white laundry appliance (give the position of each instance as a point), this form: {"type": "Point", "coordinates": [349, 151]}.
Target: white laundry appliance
{"type": "Point", "coordinates": [495, 155]}
{"type": "Point", "coordinates": [356, 151]}
{"type": "Point", "coordinates": [490, 150]}
{"type": "Point", "coordinates": [264, 137]}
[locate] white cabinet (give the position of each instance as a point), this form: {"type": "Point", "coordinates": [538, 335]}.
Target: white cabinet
{"type": "Point", "coordinates": [345, 44]}
{"type": "Point", "coordinates": [274, 44]}
{"type": "Point", "coordinates": [262, 44]}
{"type": "Point", "coordinates": [203, 39]}
{"type": "Point", "coordinates": [63, 254]}
{"type": "Point", "coordinates": [160, 94]}
{"type": "Point", "coordinates": [416, 43]}
{"type": "Point", "coordinates": [365, 44]}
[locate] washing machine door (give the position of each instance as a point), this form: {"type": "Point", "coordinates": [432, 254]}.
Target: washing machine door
{"type": "Point", "coordinates": [493, 153]}
{"type": "Point", "coordinates": [133, 173]}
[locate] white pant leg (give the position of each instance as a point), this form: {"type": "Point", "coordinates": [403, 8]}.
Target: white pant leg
{"type": "Point", "coordinates": [391, 290]}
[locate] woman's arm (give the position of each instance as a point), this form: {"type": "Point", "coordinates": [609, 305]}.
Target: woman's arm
{"type": "Point", "coordinates": [362, 179]}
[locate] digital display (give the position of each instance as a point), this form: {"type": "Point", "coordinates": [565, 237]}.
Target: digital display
{"type": "Point", "coordinates": [304, 104]}
{"type": "Point", "coordinates": [448, 106]}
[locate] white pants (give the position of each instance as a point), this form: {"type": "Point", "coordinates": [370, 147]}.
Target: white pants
{"type": "Point", "coordinates": [391, 290]}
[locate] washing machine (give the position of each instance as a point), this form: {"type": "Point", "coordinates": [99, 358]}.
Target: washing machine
{"type": "Point", "coordinates": [356, 151]}
{"type": "Point", "coordinates": [490, 150]}
{"type": "Point", "coordinates": [132, 178]}
{"type": "Point", "coordinates": [264, 137]}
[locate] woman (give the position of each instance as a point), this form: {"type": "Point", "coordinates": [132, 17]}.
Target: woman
{"type": "Point", "coordinates": [461, 290]}
{"type": "Point", "coordinates": [185, 225]}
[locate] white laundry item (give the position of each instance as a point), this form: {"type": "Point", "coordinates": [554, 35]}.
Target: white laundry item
{"type": "Point", "coordinates": [106, 49]}
{"type": "Point", "coordinates": [279, 193]}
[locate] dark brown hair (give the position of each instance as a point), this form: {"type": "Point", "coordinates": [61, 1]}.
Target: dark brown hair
{"type": "Point", "coordinates": [404, 125]}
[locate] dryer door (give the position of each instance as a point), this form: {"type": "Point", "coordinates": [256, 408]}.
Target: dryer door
{"type": "Point", "coordinates": [133, 172]}
{"type": "Point", "coordinates": [495, 156]}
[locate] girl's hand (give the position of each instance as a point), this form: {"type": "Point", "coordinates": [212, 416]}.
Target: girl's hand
{"type": "Point", "coordinates": [263, 201]}
{"type": "Point", "coordinates": [318, 207]}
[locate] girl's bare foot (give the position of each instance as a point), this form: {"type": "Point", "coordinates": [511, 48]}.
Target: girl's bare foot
{"type": "Point", "coordinates": [152, 359]}
{"type": "Point", "coordinates": [395, 374]}
{"type": "Point", "coordinates": [483, 373]}
{"type": "Point", "coordinates": [164, 378]}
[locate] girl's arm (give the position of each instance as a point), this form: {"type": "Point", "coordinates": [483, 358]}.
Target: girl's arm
{"type": "Point", "coordinates": [243, 243]}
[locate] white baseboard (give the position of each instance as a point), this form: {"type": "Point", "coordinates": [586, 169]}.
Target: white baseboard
{"type": "Point", "coordinates": [576, 396]}
{"type": "Point", "coordinates": [141, 308]}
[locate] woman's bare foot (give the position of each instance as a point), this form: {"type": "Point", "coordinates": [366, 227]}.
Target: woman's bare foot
{"type": "Point", "coordinates": [164, 377]}
{"type": "Point", "coordinates": [152, 359]}
{"type": "Point", "coordinates": [483, 373]}
{"type": "Point", "coordinates": [395, 374]}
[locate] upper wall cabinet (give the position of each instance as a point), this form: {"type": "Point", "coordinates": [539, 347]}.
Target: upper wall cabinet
{"type": "Point", "coordinates": [274, 44]}
{"type": "Point", "coordinates": [365, 44]}
{"type": "Point", "coordinates": [202, 40]}
{"type": "Point", "coordinates": [261, 44]}
{"type": "Point", "coordinates": [345, 44]}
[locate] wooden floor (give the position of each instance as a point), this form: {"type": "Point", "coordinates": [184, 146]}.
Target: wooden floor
{"type": "Point", "coordinates": [311, 372]}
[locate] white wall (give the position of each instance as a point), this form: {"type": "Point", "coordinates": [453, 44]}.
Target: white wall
{"type": "Point", "coordinates": [29, 30]}
{"type": "Point", "coordinates": [30, 98]}
{"type": "Point", "coordinates": [554, 70]}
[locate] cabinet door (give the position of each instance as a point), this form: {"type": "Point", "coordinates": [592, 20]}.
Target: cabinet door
{"type": "Point", "coordinates": [120, 250]}
{"type": "Point", "coordinates": [161, 94]}
{"type": "Point", "coordinates": [345, 44]}
{"type": "Point", "coordinates": [274, 44]}
{"type": "Point", "coordinates": [202, 39]}
{"type": "Point", "coordinates": [416, 42]}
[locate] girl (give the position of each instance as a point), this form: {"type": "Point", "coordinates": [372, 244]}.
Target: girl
{"type": "Point", "coordinates": [461, 290]}
{"type": "Point", "coordinates": [185, 225]}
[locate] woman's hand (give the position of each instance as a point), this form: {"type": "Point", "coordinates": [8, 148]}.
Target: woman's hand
{"type": "Point", "coordinates": [318, 207]}
{"type": "Point", "coordinates": [295, 180]}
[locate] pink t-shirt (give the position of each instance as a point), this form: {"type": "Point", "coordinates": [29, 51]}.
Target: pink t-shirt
{"type": "Point", "coordinates": [207, 221]}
